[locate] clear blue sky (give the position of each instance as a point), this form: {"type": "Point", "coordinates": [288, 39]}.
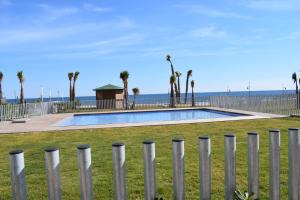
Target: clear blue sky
{"type": "Point", "coordinates": [226, 43]}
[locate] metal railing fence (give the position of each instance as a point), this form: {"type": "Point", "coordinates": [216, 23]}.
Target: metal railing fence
{"type": "Point", "coordinates": [281, 104]}
{"type": "Point", "coordinates": [276, 104]}
{"type": "Point", "coordinates": [52, 160]}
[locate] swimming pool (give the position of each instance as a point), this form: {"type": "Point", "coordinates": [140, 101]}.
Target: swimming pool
{"type": "Point", "coordinates": [145, 116]}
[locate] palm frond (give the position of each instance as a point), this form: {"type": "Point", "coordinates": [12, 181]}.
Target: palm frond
{"type": "Point", "coordinates": [124, 75]}
{"type": "Point", "coordinates": [21, 76]}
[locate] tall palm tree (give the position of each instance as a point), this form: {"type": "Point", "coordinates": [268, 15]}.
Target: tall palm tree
{"type": "Point", "coordinates": [172, 96]}
{"type": "Point", "coordinates": [178, 94]}
{"type": "Point", "coordinates": [70, 76]}
{"type": "Point", "coordinates": [193, 95]}
{"type": "Point", "coordinates": [136, 92]}
{"type": "Point", "coordinates": [169, 59]}
{"type": "Point", "coordinates": [21, 78]}
{"type": "Point", "coordinates": [189, 74]}
{"type": "Point", "coordinates": [1, 94]}
{"type": "Point", "coordinates": [295, 79]}
{"type": "Point", "coordinates": [124, 75]}
{"type": "Point", "coordinates": [76, 74]}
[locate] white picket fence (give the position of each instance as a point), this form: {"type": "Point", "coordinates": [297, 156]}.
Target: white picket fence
{"type": "Point", "coordinates": [52, 160]}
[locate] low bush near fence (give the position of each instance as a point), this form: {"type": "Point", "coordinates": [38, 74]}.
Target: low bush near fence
{"type": "Point", "coordinates": [52, 160]}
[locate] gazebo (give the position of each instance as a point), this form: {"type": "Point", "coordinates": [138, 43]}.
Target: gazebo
{"type": "Point", "coordinates": [109, 96]}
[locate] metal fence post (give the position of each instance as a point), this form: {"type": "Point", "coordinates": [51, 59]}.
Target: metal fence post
{"type": "Point", "coordinates": [85, 172]}
{"type": "Point", "coordinates": [253, 164]}
{"type": "Point", "coordinates": [149, 170]}
{"type": "Point", "coordinates": [293, 146]}
{"type": "Point", "coordinates": [53, 174]}
{"type": "Point", "coordinates": [178, 169]}
{"type": "Point", "coordinates": [205, 168]}
{"type": "Point", "coordinates": [119, 171]}
{"type": "Point", "coordinates": [274, 164]}
{"type": "Point", "coordinates": [230, 168]}
{"type": "Point", "coordinates": [17, 174]}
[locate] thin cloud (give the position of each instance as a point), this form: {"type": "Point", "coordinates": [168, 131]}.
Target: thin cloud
{"type": "Point", "coordinates": [5, 3]}
{"type": "Point", "coordinates": [274, 5]}
{"type": "Point", "coordinates": [207, 32]}
{"type": "Point", "coordinates": [17, 36]}
{"type": "Point", "coordinates": [203, 10]}
{"type": "Point", "coordinates": [54, 13]}
{"type": "Point", "coordinates": [94, 8]}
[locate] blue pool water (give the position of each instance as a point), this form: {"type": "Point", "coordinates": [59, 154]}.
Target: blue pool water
{"type": "Point", "coordinates": [148, 116]}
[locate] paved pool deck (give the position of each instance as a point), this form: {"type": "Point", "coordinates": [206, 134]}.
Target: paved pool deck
{"type": "Point", "coordinates": [49, 122]}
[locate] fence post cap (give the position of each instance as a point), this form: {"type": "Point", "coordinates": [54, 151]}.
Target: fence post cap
{"type": "Point", "coordinates": [118, 144]}
{"type": "Point", "coordinates": [274, 130]}
{"type": "Point", "coordinates": [253, 133]}
{"type": "Point", "coordinates": [51, 149]}
{"type": "Point", "coordinates": [229, 135]}
{"type": "Point", "coordinates": [83, 146]}
{"type": "Point", "coordinates": [204, 137]}
{"type": "Point", "coordinates": [17, 151]}
{"type": "Point", "coordinates": [177, 140]}
{"type": "Point", "coordinates": [148, 142]}
{"type": "Point", "coordinates": [294, 129]}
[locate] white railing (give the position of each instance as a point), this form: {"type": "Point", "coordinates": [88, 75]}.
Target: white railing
{"type": "Point", "coordinates": [281, 104]}
{"type": "Point", "coordinates": [52, 160]}
{"type": "Point", "coordinates": [17, 111]}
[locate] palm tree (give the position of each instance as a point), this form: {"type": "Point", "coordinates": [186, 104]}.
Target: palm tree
{"type": "Point", "coordinates": [21, 78]}
{"type": "Point", "coordinates": [70, 76]}
{"type": "Point", "coordinates": [136, 92]}
{"type": "Point", "coordinates": [189, 74]}
{"type": "Point", "coordinates": [193, 95]}
{"type": "Point", "coordinates": [124, 75]}
{"type": "Point", "coordinates": [76, 74]}
{"type": "Point", "coordinates": [1, 94]}
{"type": "Point", "coordinates": [168, 58]}
{"type": "Point", "coordinates": [178, 94]}
{"type": "Point", "coordinates": [172, 96]}
{"type": "Point", "coordinates": [295, 79]}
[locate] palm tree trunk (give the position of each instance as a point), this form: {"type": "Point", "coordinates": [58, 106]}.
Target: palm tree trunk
{"type": "Point", "coordinates": [193, 97]}
{"type": "Point", "coordinates": [133, 104]}
{"type": "Point", "coordinates": [74, 91]}
{"type": "Point", "coordinates": [172, 97]}
{"type": "Point", "coordinates": [178, 91]}
{"type": "Point", "coordinates": [71, 94]}
{"type": "Point", "coordinates": [173, 73]}
{"type": "Point", "coordinates": [297, 95]}
{"type": "Point", "coordinates": [22, 94]}
{"type": "Point", "coordinates": [1, 94]}
{"type": "Point", "coordinates": [186, 89]}
{"type": "Point", "coordinates": [125, 104]}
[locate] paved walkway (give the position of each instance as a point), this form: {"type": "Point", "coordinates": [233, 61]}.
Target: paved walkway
{"type": "Point", "coordinates": [49, 122]}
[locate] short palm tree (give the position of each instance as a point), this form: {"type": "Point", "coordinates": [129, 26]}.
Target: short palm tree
{"type": "Point", "coordinates": [189, 74]}
{"type": "Point", "coordinates": [193, 95]}
{"type": "Point", "coordinates": [136, 92]}
{"type": "Point", "coordinates": [295, 79]}
{"type": "Point", "coordinates": [124, 75]}
{"type": "Point", "coordinates": [169, 59]}
{"type": "Point", "coordinates": [178, 94]}
{"type": "Point", "coordinates": [76, 74]}
{"type": "Point", "coordinates": [21, 78]}
{"type": "Point", "coordinates": [70, 76]}
{"type": "Point", "coordinates": [172, 96]}
{"type": "Point", "coordinates": [1, 94]}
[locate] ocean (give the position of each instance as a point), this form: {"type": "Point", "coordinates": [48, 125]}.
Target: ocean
{"type": "Point", "coordinates": [165, 96]}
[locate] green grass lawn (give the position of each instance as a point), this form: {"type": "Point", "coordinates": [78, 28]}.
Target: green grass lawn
{"type": "Point", "coordinates": [101, 140]}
